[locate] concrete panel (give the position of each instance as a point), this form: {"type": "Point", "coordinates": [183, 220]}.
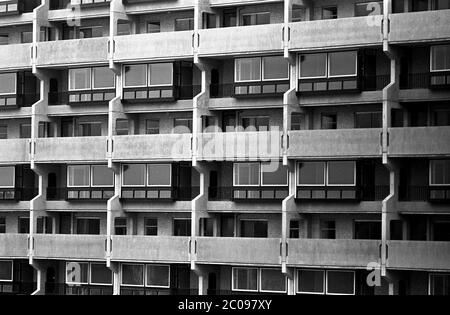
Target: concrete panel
{"type": "Point", "coordinates": [71, 149]}
{"type": "Point", "coordinates": [166, 45]}
{"type": "Point", "coordinates": [241, 40]}
{"type": "Point", "coordinates": [158, 6]}
{"type": "Point", "coordinates": [334, 143]}
{"type": "Point", "coordinates": [150, 249]}
{"type": "Point", "coordinates": [419, 255]}
{"type": "Point", "coordinates": [325, 34]}
{"type": "Point", "coordinates": [13, 245]}
{"type": "Point", "coordinates": [59, 246]}
{"type": "Point", "coordinates": [15, 56]}
{"type": "Point", "coordinates": [419, 141]}
{"type": "Point", "coordinates": [263, 251]}
{"type": "Point", "coordinates": [420, 26]}
{"type": "Point", "coordinates": [71, 52]}
{"type": "Point", "coordinates": [14, 151]}
{"type": "Point", "coordinates": [335, 253]}
{"type": "Point", "coordinates": [152, 147]}
{"type": "Point", "coordinates": [223, 3]}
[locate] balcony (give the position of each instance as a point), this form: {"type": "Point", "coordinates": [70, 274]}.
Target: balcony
{"type": "Point", "coordinates": [88, 97]}
{"type": "Point", "coordinates": [419, 141]}
{"type": "Point", "coordinates": [334, 143]}
{"type": "Point", "coordinates": [247, 193]}
{"type": "Point", "coordinates": [18, 194]}
{"type": "Point", "coordinates": [240, 145]}
{"type": "Point", "coordinates": [13, 245]}
{"type": "Point", "coordinates": [436, 194]}
{"type": "Point", "coordinates": [241, 40]}
{"type": "Point", "coordinates": [161, 147]}
{"type": "Point", "coordinates": [15, 56]}
{"type": "Point", "coordinates": [71, 52]}
{"type": "Point", "coordinates": [425, 26]}
{"type": "Point", "coordinates": [346, 253]}
{"type": "Point", "coordinates": [159, 193]}
{"type": "Point", "coordinates": [337, 33]}
{"type": "Point", "coordinates": [154, 46]}
{"type": "Point", "coordinates": [14, 151]}
{"type": "Point", "coordinates": [150, 248]}
{"type": "Point", "coordinates": [221, 250]}
{"type": "Point", "coordinates": [63, 246]}
{"type": "Point", "coordinates": [419, 255]}
{"type": "Point", "coordinates": [77, 149]}
{"type": "Point", "coordinates": [430, 80]}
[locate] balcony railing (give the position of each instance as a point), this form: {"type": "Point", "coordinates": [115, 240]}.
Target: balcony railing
{"type": "Point", "coordinates": [250, 89]}
{"type": "Point", "coordinates": [91, 3]}
{"type": "Point", "coordinates": [430, 80]}
{"type": "Point", "coordinates": [84, 289]}
{"type": "Point", "coordinates": [160, 93]}
{"type": "Point", "coordinates": [247, 193]}
{"type": "Point", "coordinates": [425, 193]}
{"type": "Point", "coordinates": [154, 291]}
{"type": "Point", "coordinates": [18, 100]}
{"type": "Point", "coordinates": [328, 193]}
{"type": "Point", "coordinates": [335, 85]}
{"type": "Point", "coordinates": [375, 82]}
{"type": "Point", "coordinates": [17, 288]}
{"type": "Point", "coordinates": [90, 97]}
{"type": "Point", "coordinates": [160, 193]}
{"type": "Point", "coordinates": [18, 194]}
{"type": "Point", "coordinates": [80, 193]}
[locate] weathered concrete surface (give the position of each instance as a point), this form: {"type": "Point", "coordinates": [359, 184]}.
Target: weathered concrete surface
{"type": "Point", "coordinates": [71, 149]}
{"type": "Point", "coordinates": [15, 56]}
{"type": "Point", "coordinates": [13, 245]}
{"type": "Point", "coordinates": [14, 151]}
{"type": "Point", "coordinates": [419, 141]}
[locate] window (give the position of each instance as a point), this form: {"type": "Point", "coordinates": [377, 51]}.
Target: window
{"type": "Point", "coordinates": [206, 227]}
{"type": "Point", "coordinates": [439, 172]}
{"type": "Point", "coordinates": [272, 280]}
{"type": "Point", "coordinates": [80, 79]}
{"type": "Point", "coordinates": [441, 231]}
{"type": "Point", "coordinates": [419, 5]}
{"type": "Point", "coordinates": [341, 173]}
{"type": "Point", "coordinates": [313, 65]}
{"type": "Point", "coordinates": [158, 276]}
{"type": "Point", "coordinates": [120, 226]}
{"type": "Point", "coordinates": [100, 274]}
{"type": "Point", "coordinates": [439, 284]}
{"type": "Point", "coordinates": [44, 225]}
{"type": "Point", "coordinates": [4, 39]}
{"type": "Point", "coordinates": [152, 126]}
{"type": "Point", "coordinates": [25, 131]}
{"type": "Point", "coordinates": [135, 75]}
{"type": "Point", "coordinates": [275, 68]}
{"type": "Point", "coordinates": [254, 228]}
{"type": "Point", "coordinates": [246, 174]}
{"type": "Point", "coordinates": [91, 32]}
{"type": "Point", "coordinates": [122, 127]}
{"type": "Point", "coordinates": [102, 176]}
{"type": "Point", "coordinates": [153, 27]}
{"type": "Point", "coordinates": [274, 174]}
{"type": "Point", "coordinates": [369, 8]}
{"type": "Point", "coordinates": [342, 63]}
{"type": "Point", "coordinates": [181, 227]}
{"type": "Point", "coordinates": [26, 37]}
{"type": "Point", "coordinates": [441, 117]}
{"type": "Point", "coordinates": [123, 28]}
{"type": "Point", "coordinates": [440, 58]}
{"type": "Point", "coordinates": [2, 225]}
{"type": "Point", "coordinates": [160, 74]}
{"type": "Point", "coordinates": [311, 174]}
{"type": "Point", "coordinates": [78, 176]}
{"type": "Point", "coordinates": [256, 18]}
{"type": "Point", "coordinates": [440, 5]}
{"type": "Point", "coordinates": [296, 119]}
{"type": "Point", "coordinates": [8, 83]}
{"type": "Point", "coordinates": [88, 226]}
{"type": "Point", "coordinates": [24, 225]}
{"type": "Point", "coordinates": [257, 123]}
{"type": "Point", "coordinates": [368, 120]}
{"type": "Point", "coordinates": [3, 132]}
{"type": "Point", "coordinates": [245, 279]}
{"type": "Point", "coordinates": [328, 230]}
{"type": "Point", "coordinates": [311, 281]}
{"type": "Point", "coordinates": [298, 14]}
{"type": "Point", "coordinates": [396, 230]}
{"type": "Point", "coordinates": [7, 176]}
{"type": "Point", "coordinates": [329, 121]}
{"type": "Point", "coordinates": [133, 175]}
{"type": "Point", "coordinates": [159, 175]}
{"type": "Point", "coordinates": [186, 24]}
{"type": "Point", "coordinates": [329, 12]}
{"type": "Point", "coordinates": [103, 78]}
{"type": "Point", "coordinates": [182, 125]}
{"type": "Point", "coordinates": [367, 230]}
{"type": "Point", "coordinates": [6, 270]}
{"type": "Point", "coordinates": [294, 229]}
{"type": "Point", "coordinates": [132, 275]}
{"type": "Point", "coordinates": [247, 69]}
{"type": "Point", "coordinates": [151, 226]}
{"type": "Point", "coordinates": [340, 282]}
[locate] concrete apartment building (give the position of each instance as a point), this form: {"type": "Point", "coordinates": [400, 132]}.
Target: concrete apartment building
{"type": "Point", "coordinates": [224, 147]}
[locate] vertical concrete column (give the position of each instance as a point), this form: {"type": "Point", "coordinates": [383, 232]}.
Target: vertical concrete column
{"type": "Point", "coordinates": [287, 208]}
{"type": "Point", "coordinates": [41, 275]}
{"type": "Point", "coordinates": [40, 19]}
{"type": "Point", "coordinates": [201, 6]}
{"type": "Point", "coordinates": [115, 268]}
{"type": "Point", "coordinates": [117, 13]}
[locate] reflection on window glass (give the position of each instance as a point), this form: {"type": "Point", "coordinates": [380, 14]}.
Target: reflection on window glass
{"type": "Point", "coordinates": [132, 274]}
{"type": "Point", "coordinates": [160, 74]}
{"type": "Point", "coordinates": [342, 63]}
{"type": "Point", "coordinates": [440, 172]}
{"type": "Point", "coordinates": [153, 27]}
{"type": "Point", "coordinates": [77, 272]}
{"type": "Point", "coordinates": [440, 57]}
{"type": "Point", "coordinates": [274, 174]}
{"type": "Point", "coordinates": [329, 13]}
{"type": "Point", "coordinates": [134, 175]}
{"type": "Point", "coordinates": [275, 68]}
{"type": "Point", "coordinates": [341, 173]}
{"type": "Point", "coordinates": [102, 176]}
{"type": "Point", "coordinates": [7, 175]}
{"type": "Point", "coordinates": [184, 24]}
{"type": "Point", "coordinates": [159, 174]}
{"type": "Point", "coordinates": [79, 79]}
{"type": "Point", "coordinates": [313, 65]}
{"type": "Point", "coordinates": [256, 18]}
{"type": "Point", "coordinates": [158, 276]}
{"type": "Point", "coordinates": [78, 175]}
{"type": "Point", "coordinates": [369, 8]}
{"type": "Point", "coordinates": [311, 174]}
{"type": "Point", "coordinates": [311, 281]}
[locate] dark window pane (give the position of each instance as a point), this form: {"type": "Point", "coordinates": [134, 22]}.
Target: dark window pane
{"type": "Point", "coordinates": [182, 227]}
{"type": "Point", "coordinates": [368, 230]}
{"type": "Point", "coordinates": [151, 227]}
{"type": "Point", "coordinates": [153, 27]}
{"type": "Point", "coordinates": [254, 229]}
{"type": "Point", "coordinates": [329, 121]}
{"type": "Point", "coordinates": [328, 229]}
{"type": "Point", "coordinates": [329, 12]}
{"type": "Point", "coordinates": [158, 276]}
{"type": "Point", "coordinates": [100, 274]}
{"type": "Point", "coordinates": [310, 281]}
{"type": "Point", "coordinates": [132, 274]}
{"type": "Point", "coordinates": [340, 282]}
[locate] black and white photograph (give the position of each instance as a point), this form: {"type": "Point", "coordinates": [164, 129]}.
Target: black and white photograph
{"type": "Point", "coordinates": [224, 153]}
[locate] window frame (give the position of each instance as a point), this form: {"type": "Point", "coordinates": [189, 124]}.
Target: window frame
{"type": "Point", "coordinates": [15, 83]}
{"type": "Point", "coordinates": [132, 285]}
{"type": "Point", "coordinates": [344, 75]}
{"type": "Point", "coordinates": [134, 86]}
{"type": "Point", "coordinates": [347, 271]}
{"type": "Point", "coordinates": [430, 174]}
{"type": "Point", "coordinates": [92, 177]}
{"type": "Point", "coordinates": [90, 80]}
{"type": "Point", "coordinates": [147, 173]}
{"type": "Point", "coordinates": [241, 19]}
{"type": "Point", "coordinates": [236, 69]}
{"type": "Point", "coordinates": [12, 270]}
{"type": "Point", "coordinates": [270, 291]}
{"type": "Point", "coordinates": [263, 70]}
{"type": "Point", "coordinates": [14, 176]}
{"type": "Point", "coordinates": [123, 173]}
{"type": "Point", "coordinates": [95, 283]}
{"type": "Point", "coordinates": [146, 226]}
{"type": "Point", "coordinates": [312, 185]}
{"type": "Point", "coordinates": [316, 77]}
{"type": "Point", "coordinates": [433, 274]}
{"type": "Point", "coordinates": [235, 177]}
{"type": "Point", "coordinates": [149, 74]}
{"type": "Point", "coordinates": [341, 185]}
{"type": "Point", "coordinates": [272, 185]}
{"type": "Point", "coordinates": [327, 66]}
{"type": "Point", "coordinates": [244, 290]}
{"type": "Point", "coordinates": [432, 59]}
{"type": "Point", "coordinates": [297, 281]}
{"type": "Point", "coordinates": [103, 88]}
{"type": "Point", "coordinates": [68, 177]}
{"type": "Point", "coordinates": [156, 286]}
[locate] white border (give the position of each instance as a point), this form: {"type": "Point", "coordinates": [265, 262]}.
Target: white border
{"type": "Point", "coordinates": [12, 271]}
{"type": "Point", "coordinates": [132, 285]}
{"type": "Point", "coordinates": [236, 72]}
{"type": "Point", "coordinates": [92, 176]}
{"type": "Point", "coordinates": [156, 286]}
{"type": "Point", "coordinates": [125, 76]}
{"type": "Point", "coordinates": [316, 77]}
{"type": "Point", "coordinates": [235, 177]}
{"type": "Point", "coordinates": [429, 174]}
{"type": "Point", "coordinates": [149, 74]}
{"type": "Point", "coordinates": [246, 268]}
{"type": "Point", "coordinates": [77, 283]}
{"type": "Point", "coordinates": [271, 291]}
{"type": "Point", "coordinates": [14, 176]}
{"type": "Point", "coordinates": [313, 270]}
{"type": "Point", "coordinates": [313, 185]}
{"type": "Point", "coordinates": [341, 185]}
{"type": "Point", "coordinates": [15, 83]}
{"type": "Point", "coordinates": [123, 175]}
{"type": "Point", "coordinates": [145, 225]}
{"type": "Point", "coordinates": [263, 70]}
{"type": "Point", "coordinates": [347, 271]}
{"type": "Point", "coordinates": [90, 79]}
{"type": "Point", "coordinates": [102, 88]}
{"type": "Point", "coordinates": [99, 284]}
{"type": "Point", "coordinates": [273, 185]}
{"type": "Point", "coordinates": [158, 164]}
{"type": "Point", "coordinates": [68, 177]}
{"type": "Point", "coordinates": [431, 58]}
{"type": "Point", "coordinates": [342, 75]}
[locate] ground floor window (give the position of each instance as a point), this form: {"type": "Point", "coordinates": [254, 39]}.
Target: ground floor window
{"type": "Point", "coordinates": [439, 284]}
{"type": "Point", "coordinates": [331, 282]}
{"type": "Point", "coordinates": [258, 280]}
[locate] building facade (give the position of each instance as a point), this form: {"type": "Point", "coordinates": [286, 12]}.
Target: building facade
{"type": "Point", "coordinates": [225, 147]}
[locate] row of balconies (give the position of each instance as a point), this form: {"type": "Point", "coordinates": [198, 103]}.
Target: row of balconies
{"type": "Point", "coordinates": [345, 253]}
{"type": "Point", "coordinates": [353, 32]}
{"type": "Point", "coordinates": [346, 143]}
